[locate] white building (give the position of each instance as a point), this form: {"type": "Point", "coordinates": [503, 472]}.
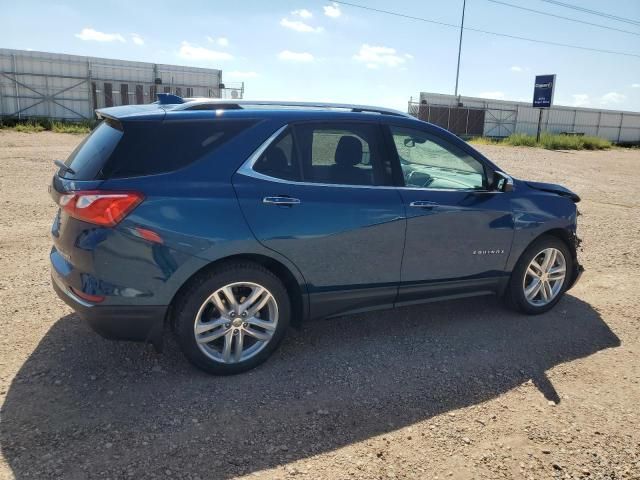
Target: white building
{"type": "Point", "coordinates": [71, 87]}
{"type": "Point", "coordinates": [500, 118]}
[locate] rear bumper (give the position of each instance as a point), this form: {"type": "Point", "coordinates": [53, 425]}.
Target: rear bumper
{"type": "Point", "coordinates": [136, 323]}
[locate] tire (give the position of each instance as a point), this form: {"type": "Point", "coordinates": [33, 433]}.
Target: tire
{"type": "Point", "coordinates": [523, 282]}
{"type": "Point", "coordinates": [204, 312]}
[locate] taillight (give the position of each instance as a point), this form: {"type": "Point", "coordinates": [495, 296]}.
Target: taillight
{"type": "Point", "coordinates": [100, 207]}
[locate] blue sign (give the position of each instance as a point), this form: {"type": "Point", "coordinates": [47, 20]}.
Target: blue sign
{"type": "Point", "coordinates": [543, 91]}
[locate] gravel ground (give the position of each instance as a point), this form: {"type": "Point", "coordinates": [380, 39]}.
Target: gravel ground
{"type": "Point", "coordinates": [455, 390]}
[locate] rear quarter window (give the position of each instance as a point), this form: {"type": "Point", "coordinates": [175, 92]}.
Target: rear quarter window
{"type": "Point", "coordinates": [93, 152]}
{"type": "Point", "coordinates": [146, 148]}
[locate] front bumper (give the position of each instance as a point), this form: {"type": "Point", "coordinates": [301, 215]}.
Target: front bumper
{"type": "Point", "coordinates": [578, 270]}
{"type": "Point", "coordinates": [136, 323]}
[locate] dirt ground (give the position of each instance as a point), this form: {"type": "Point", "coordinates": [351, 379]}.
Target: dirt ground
{"type": "Point", "coordinates": [454, 390]}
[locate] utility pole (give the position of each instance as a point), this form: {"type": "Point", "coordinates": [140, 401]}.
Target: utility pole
{"type": "Point", "coordinates": [464, 4]}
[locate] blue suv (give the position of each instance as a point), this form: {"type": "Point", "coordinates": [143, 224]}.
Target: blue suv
{"type": "Point", "coordinates": [227, 221]}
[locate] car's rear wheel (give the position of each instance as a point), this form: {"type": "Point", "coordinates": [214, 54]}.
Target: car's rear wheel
{"type": "Point", "coordinates": [232, 319]}
{"type": "Point", "coordinates": [541, 276]}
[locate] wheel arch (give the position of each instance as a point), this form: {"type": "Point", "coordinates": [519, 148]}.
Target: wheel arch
{"type": "Point", "coordinates": [564, 234]}
{"type": "Point", "coordinates": [295, 288]}
{"type": "Point", "coordinates": [567, 236]}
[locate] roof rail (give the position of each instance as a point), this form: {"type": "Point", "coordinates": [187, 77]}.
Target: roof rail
{"type": "Point", "coordinates": [224, 104]}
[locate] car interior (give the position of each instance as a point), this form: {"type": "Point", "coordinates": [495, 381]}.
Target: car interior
{"type": "Point", "coordinates": [348, 164]}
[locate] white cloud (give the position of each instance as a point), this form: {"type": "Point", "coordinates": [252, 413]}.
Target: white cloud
{"type": "Point", "coordinates": [612, 98]}
{"type": "Point", "coordinates": [299, 26]}
{"type": "Point", "coordinates": [516, 68]}
{"type": "Point", "coordinates": [302, 13]}
{"type": "Point", "coordinates": [137, 39]}
{"type": "Point", "coordinates": [222, 41]}
{"type": "Point", "coordinates": [332, 10]}
{"type": "Point", "coordinates": [492, 95]}
{"type": "Point", "coordinates": [374, 57]}
{"type": "Point", "coordinates": [580, 99]}
{"type": "Point", "coordinates": [197, 53]}
{"type": "Point", "coordinates": [295, 56]}
{"type": "Point", "coordinates": [94, 35]}
{"type": "Point", "coordinates": [238, 75]}
{"type": "Point", "coordinates": [635, 85]}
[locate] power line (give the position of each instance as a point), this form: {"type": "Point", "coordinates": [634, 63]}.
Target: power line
{"type": "Point", "coordinates": [515, 37]}
{"type": "Point", "coordinates": [594, 12]}
{"type": "Point", "coordinates": [564, 18]}
{"type": "Point", "coordinates": [410, 17]}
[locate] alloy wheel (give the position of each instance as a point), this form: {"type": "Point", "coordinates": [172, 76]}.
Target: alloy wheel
{"type": "Point", "coordinates": [236, 322]}
{"type": "Point", "coordinates": [544, 277]}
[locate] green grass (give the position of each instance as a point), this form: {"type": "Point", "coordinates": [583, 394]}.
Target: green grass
{"type": "Point", "coordinates": [40, 125]}
{"type": "Point", "coordinates": [76, 128]}
{"type": "Point", "coordinates": [485, 141]}
{"type": "Point", "coordinates": [521, 140]}
{"type": "Point", "coordinates": [28, 127]}
{"type": "Point", "coordinates": [548, 141]}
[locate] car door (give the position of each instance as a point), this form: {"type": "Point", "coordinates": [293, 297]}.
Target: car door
{"type": "Point", "coordinates": [314, 196]}
{"type": "Point", "coordinates": [459, 231]}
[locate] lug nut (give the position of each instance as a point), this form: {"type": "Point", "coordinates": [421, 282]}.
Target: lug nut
{"type": "Point", "coordinates": [244, 314]}
{"type": "Point", "coordinates": [227, 325]}
{"type": "Point", "coordinates": [245, 324]}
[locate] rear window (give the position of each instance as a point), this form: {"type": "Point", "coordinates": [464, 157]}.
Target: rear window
{"type": "Point", "coordinates": [147, 148]}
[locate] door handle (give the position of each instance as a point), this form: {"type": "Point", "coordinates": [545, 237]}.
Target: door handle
{"type": "Point", "coordinates": [423, 204]}
{"type": "Point", "coordinates": [281, 200]}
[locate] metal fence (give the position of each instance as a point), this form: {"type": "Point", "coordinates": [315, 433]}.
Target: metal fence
{"type": "Point", "coordinates": [463, 121]}
{"type": "Point", "coordinates": [471, 116]}
{"type": "Point", "coordinates": [69, 87]}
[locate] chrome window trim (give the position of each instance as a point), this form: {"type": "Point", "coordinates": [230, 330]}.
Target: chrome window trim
{"type": "Point", "coordinates": [247, 170]}
{"type": "Point", "coordinates": [253, 158]}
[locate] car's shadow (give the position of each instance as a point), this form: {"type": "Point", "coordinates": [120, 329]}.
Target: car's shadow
{"type": "Point", "coordinates": [82, 406]}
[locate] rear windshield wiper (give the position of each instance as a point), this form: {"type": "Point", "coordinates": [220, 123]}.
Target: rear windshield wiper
{"type": "Point", "coordinates": [64, 168]}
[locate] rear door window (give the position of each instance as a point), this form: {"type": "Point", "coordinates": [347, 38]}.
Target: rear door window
{"type": "Point", "coordinates": [342, 153]}
{"type": "Point", "coordinates": [328, 153]}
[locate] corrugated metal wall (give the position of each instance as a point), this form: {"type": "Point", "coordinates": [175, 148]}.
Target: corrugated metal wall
{"type": "Point", "coordinates": [59, 86]}
{"type": "Point", "coordinates": [503, 118]}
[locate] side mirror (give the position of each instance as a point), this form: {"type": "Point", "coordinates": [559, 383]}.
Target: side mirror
{"type": "Point", "coordinates": [409, 142]}
{"type": "Point", "coordinates": [502, 182]}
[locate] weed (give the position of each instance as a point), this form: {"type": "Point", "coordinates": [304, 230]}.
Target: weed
{"type": "Point", "coordinates": [548, 141]}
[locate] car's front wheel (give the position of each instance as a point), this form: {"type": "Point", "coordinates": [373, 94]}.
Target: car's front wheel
{"type": "Point", "coordinates": [232, 319]}
{"type": "Point", "coordinates": [541, 276]}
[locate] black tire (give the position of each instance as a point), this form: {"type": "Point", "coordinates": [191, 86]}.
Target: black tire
{"type": "Point", "coordinates": [515, 295]}
{"type": "Point", "coordinates": [202, 287]}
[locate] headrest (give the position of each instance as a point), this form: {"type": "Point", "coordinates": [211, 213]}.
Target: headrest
{"type": "Point", "coordinates": [275, 160]}
{"type": "Point", "coordinates": [348, 151]}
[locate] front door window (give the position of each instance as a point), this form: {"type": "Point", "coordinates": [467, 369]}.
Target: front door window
{"type": "Point", "coordinates": [429, 162]}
